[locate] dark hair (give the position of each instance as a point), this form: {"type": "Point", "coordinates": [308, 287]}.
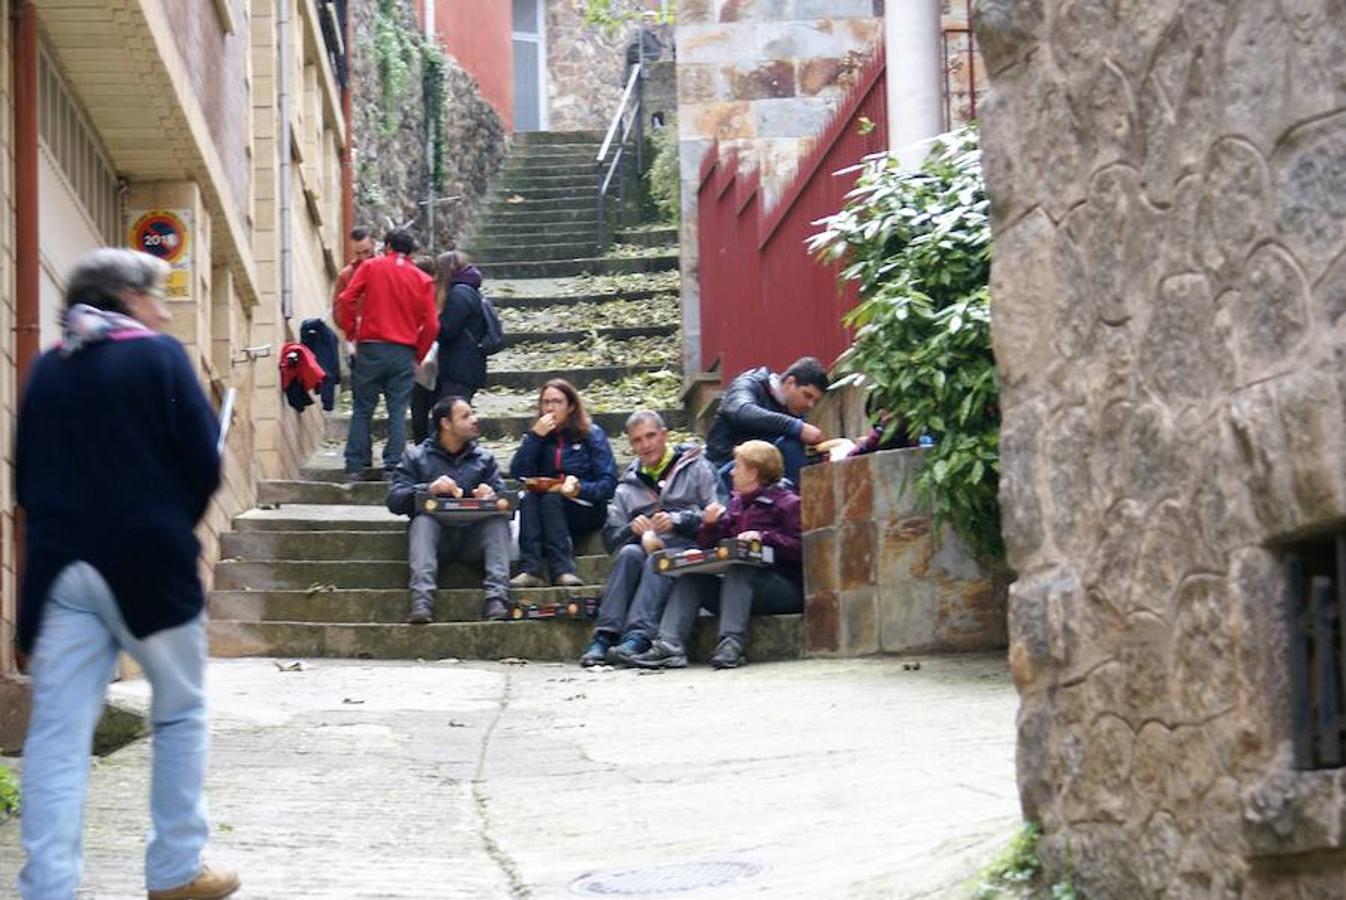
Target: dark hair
{"type": "Point", "coordinates": [443, 409]}
{"type": "Point", "coordinates": [447, 265]}
{"type": "Point", "coordinates": [808, 372]}
{"type": "Point", "coordinates": [100, 276]}
{"type": "Point", "coordinates": [578, 421]}
{"type": "Point", "coordinates": [400, 241]}
{"type": "Point", "coordinates": [426, 264]}
{"type": "Point", "coordinates": [359, 233]}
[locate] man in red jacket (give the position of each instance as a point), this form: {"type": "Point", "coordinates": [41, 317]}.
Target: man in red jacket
{"type": "Point", "coordinates": [388, 312]}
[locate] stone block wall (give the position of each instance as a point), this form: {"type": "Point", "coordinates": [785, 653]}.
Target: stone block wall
{"type": "Point", "coordinates": [877, 577]}
{"type": "Point", "coordinates": [585, 68]}
{"type": "Point", "coordinates": [1167, 184]}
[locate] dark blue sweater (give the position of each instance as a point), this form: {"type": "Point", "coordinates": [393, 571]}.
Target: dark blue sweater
{"type": "Point", "coordinates": [114, 464]}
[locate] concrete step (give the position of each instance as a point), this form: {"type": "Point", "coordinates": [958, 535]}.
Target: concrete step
{"type": "Point", "coordinates": [541, 206]}
{"type": "Point", "coordinates": [529, 232]}
{"type": "Point", "coordinates": [532, 178]}
{"type": "Point", "coordinates": [351, 606]}
{"type": "Point", "coordinates": [540, 301]}
{"type": "Point", "coordinates": [319, 517]}
{"type": "Point", "coordinates": [554, 138]}
{"type": "Point", "coordinates": [501, 194]}
{"type": "Point", "coordinates": [364, 544]}
{"type": "Point", "coordinates": [558, 640]}
{"type": "Point", "coordinates": [580, 378]}
{"type": "Point", "coordinates": [664, 262]}
{"type": "Point", "coordinates": [649, 237]}
{"type": "Point", "coordinates": [611, 334]}
{"type": "Point", "coordinates": [283, 575]}
{"type": "Point", "coordinates": [523, 251]}
{"type": "Point", "coordinates": [336, 427]}
{"type": "Point", "coordinates": [532, 213]}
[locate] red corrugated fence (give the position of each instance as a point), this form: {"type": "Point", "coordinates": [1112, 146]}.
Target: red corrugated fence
{"type": "Point", "coordinates": [764, 299]}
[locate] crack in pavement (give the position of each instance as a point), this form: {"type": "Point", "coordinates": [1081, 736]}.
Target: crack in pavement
{"type": "Point", "coordinates": [518, 890]}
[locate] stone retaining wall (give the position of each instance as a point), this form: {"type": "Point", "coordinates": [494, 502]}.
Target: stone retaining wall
{"type": "Point", "coordinates": [1169, 258]}
{"type": "Point", "coordinates": [877, 578]}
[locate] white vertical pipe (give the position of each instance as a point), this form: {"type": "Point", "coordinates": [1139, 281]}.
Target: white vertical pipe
{"type": "Point", "coordinates": [283, 111]}
{"type": "Point", "coordinates": [915, 86]}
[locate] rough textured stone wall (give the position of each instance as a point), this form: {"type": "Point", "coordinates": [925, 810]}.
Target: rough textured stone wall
{"type": "Point", "coordinates": [1167, 181]}
{"type": "Point", "coordinates": [391, 169]}
{"type": "Point", "coordinates": [585, 67]}
{"type": "Point", "coordinates": [877, 578]}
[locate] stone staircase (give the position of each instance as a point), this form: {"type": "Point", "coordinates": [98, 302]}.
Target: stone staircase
{"type": "Point", "coordinates": [320, 567]}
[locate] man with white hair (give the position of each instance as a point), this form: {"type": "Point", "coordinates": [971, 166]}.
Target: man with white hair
{"type": "Point", "coordinates": [115, 463]}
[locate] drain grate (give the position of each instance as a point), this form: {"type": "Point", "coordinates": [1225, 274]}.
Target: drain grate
{"type": "Point", "coordinates": [667, 879]}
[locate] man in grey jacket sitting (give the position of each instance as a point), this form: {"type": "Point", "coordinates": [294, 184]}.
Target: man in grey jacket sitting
{"type": "Point", "coordinates": [450, 462]}
{"type": "Point", "coordinates": [659, 502]}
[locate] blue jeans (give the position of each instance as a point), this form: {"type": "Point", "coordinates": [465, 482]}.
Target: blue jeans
{"type": "Point", "coordinates": [387, 369]}
{"type": "Point", "coordinates": [548, 524]}
{"type": "Point", "coordinates": [635, 594]}
{"type": "Point", "coordinates": [75, 658]}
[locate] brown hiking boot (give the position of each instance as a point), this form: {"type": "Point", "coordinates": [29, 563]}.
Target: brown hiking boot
{"type": "Point", "coordinates": [211, 884]}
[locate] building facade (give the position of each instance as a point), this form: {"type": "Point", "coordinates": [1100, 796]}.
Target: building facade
{"type": "Point", "coordinates": [162, 125]}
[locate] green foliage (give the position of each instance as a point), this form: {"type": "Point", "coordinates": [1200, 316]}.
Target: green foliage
{"type": "Point", "coordinates": [1016, 866]}
{"type": "Point", "coordinates": [919, 245]}
{"type": "Point", "coordinates": [663, 175]}
{"type": "Point", "coordinates": [9, 792]}
{"type": "Point", "coordinates": [395, 49]}
{"type": "Point", "coordinates": [434, 80]}
{"type": "Point", "coordinates": [611, 15]}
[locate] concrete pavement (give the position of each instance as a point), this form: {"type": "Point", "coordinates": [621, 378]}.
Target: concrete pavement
{"type": "Point", "coordinates": [812, 779]}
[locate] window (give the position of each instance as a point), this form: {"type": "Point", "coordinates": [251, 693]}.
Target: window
{"type": "Point", "coordinates": [72, 142]}
{"type": "Point", "coordinates": [1318, 650]}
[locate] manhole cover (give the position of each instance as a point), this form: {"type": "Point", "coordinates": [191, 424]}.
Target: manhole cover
{"type": "Point", "coordinates": [669, 879]}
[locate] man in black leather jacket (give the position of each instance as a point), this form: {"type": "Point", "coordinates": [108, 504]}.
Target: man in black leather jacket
{"type": "Point", "coordinates": [761, 405]}
{"type": "Point", "coordinates": [451, 462]}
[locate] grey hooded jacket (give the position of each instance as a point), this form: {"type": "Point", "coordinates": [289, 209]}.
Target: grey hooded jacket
{"type": "Point", "coordinates": [688, 489]}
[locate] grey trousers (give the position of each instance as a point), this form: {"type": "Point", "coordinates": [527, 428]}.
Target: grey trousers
{"type": "Point", "coordinates": [387, 369]}
{"type": "Point", "coordinates": [634, 596]}
{"type": "Point", "coordinates": [734, 597]}
{"type": "Point", "coordinates": [430, 541]}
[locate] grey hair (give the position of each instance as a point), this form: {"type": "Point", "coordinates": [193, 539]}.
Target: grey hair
{"type": "Point", "coordinates": [101, 275]}
{"type": "Point", "coordinates": [644, 415]}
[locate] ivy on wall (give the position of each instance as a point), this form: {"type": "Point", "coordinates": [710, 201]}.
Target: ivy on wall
{"type": "Point", "coordinates": [919, 245]}
{"type": "Point", "coordinates": [397, 47]}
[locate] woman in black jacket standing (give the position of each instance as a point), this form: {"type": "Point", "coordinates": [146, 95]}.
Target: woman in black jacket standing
{"type": "Point", "coordinates": [462, 364]}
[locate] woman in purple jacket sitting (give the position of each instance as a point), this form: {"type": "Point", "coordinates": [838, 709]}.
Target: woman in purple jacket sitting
{"type": "Point", "coordinates": [760, 508]}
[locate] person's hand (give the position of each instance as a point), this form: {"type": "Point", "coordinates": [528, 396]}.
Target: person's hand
{"type": "Point", "coordinates": [750, 536]}
{"type": "Point", "coordinates": [811, 434]}
{"type": "Point", "coordinates": [482, 491]}
{"type": "Point", "coordinates": [640, 525]}
{"type": "Point", "coordinates": [445, 485]}
{"type": "Point", "coordinates": [570, 487]}
{"type": "Point", "coordinates": [651, 542]}
{"type": "Point", "coordinates": [712, 513]}
{"type": "Point", "coordinates": [545, 425]}
{"type": "Point", "coordinates": [662, 522]}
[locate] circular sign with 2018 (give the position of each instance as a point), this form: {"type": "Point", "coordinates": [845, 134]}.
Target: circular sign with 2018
{"type": "Point", "coordinates": [162, 234]}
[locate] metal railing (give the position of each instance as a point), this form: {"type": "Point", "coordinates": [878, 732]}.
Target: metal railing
{"type": "Point", "coordinates": [627, 119]}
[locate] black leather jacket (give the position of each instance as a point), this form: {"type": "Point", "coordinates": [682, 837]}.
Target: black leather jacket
{"type": "Point", "coordinates": [429, 460]}
{"type": "Point", "coordinates": [748, 410]}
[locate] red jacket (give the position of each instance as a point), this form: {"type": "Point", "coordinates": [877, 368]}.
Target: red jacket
{"type": "Point", "coordinates": [390, 300]}
{"type": "Point", "coordinates": [297, 363]}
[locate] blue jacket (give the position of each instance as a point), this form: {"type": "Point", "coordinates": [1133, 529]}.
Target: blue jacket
{"type": "Point", "coordinates": [428, 460]}
{"type": "Point", "coordinates": [460, 328]}
{"type": "Point", "coordinates": [114, 465]}
{"type": "Point", "coordinates": [562, 453]}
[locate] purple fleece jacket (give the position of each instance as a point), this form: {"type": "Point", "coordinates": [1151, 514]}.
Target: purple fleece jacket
{"type": "Point", "coordinates": [774, 511]}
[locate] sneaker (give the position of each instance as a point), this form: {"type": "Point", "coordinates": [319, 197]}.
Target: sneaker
{"type": "Point", "coordinates": [211, 884]}
{"type": "Point", "coordinates": [728, 654]}
{"type": "Point", "coordinates": [569, 579]}
{"type": "Point", "coordinates": [662, 654]}
{"type": "Point", "coordinates": [495, 610]}
{"type": "Point", "coordinates": [422, 613]}
{"type": "Point", "coordinates": [631, 646]}
{"type": "Point", "coordinates": [526, 580]}
{"type": "Point", "coordinates": [597, 650]}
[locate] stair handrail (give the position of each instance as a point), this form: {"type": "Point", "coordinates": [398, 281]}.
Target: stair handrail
{"type": "Point", "coordinates": [607, 169]}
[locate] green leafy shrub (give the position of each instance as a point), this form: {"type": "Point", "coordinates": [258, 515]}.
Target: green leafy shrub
{"type": "Point", "coordinates": [919, 245]}
{"type": "Point", "coordinates": [611, 15]}
{"type": "Point", "coordinates": [9, 792]}
{"type": "Point", "coordinates": [663, 175]}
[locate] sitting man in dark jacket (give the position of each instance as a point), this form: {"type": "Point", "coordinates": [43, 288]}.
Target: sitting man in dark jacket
{"type": "Point", "coordinates": [658, 503]}
{"type": "Point", "coordinates": [451, 463]}
{"type": "Point", "coordinates": [761, 405]}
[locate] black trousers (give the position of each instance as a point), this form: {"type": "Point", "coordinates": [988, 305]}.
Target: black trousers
{"type": "Point", "coordinates": [547, 525]}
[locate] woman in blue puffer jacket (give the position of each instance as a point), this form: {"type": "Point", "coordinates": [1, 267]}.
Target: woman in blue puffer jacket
{"type": "Point", "coordinates": [565, 444]}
